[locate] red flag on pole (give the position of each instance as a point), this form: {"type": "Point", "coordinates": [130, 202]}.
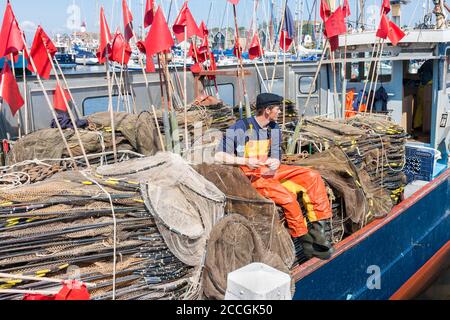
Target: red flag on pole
{"type": "Point", "coordinates": [395, 33]}
{"type": "Point", "coordinates": [10, 35]}
{"type": "Point", "coordinates": [41, 45]}
{"type": "Point", "coordinates": [204, 47]}
{"type": "Point", "coordinates": [105, 38]}
{"type": "Point", "coordinates": [149, 12]}
{"type": "Point", "coordinates": [335, 24]}
{"type": "Point", "coordinates": [235, 2]}
{"type": "Point", "coordinates": [186, 21]}
{"type": "Point", "coordinates": [10, 90]}
{"type": "Point", "coordinates": [120, 49]}
{"type": "Point", "coordinates": [346, 9]}
{"type": "Point", "coordinates": [159, 38]}
{"type": "Point", "coordinates": [383, 29]}
{"type": "Point", "coordinates": [386, 7]}
{"type": "Point", "coordinates": [237, 51]}
{"type": "Point", "coordinates": [204, 30]}
{"type": "Point", "coordinates": [58, 98]}
{"type": "Point", "coordinates": [325, 11]}
{"type": "Point", "coordinates": [195, 54]}
{"type": "Point", "coordinates": [127, 21]}
{"type": "Point", "coordinates": [255, 50]}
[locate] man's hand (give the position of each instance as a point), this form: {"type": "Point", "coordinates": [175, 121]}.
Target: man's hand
{"type": "Point", "coordinates": [254, 163]}
{"type": "Point", "coordinates": [273, 164]}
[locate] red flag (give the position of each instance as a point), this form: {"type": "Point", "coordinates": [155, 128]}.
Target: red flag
{"type": "Point", "coordinates": [386, 7]}
{"type": "Point", "coordinates": [141, 46]}
{"type": "Point", "coordinates": [10, 90]}
{"type": "Point", "coordinates": [195, 54]}
{"type": "Point", "coordinates": [159, 38]}
{"type": "Point", "coordinates": [346, 9]}
{"type": "Point", "coordinates": [127, 21]}
{"type": "Point", "coordinates": [335, 25]}
{"type": "Point", "coordinates": [149, 13]}
{"type": "Point", "coordinates": [10, 35]}
{"type": "Point", "coordinates": [334, 43]}
{"type": "Point", "coordinates": [185, 22]}
{"type": "Point", "coordinates": [285, 41]}
{"type": "Point", "coordinates": [58, 98]}
{"type": "Point", "coordinates": [105, 38]}
{"type": "Point", "coordinates": [150, 65]}
{"type": "Point", "coordinates": [383, 29]}
{"type": "Point", "coordinates": [325, 11]}
{"type": "Point", "coordinates": [41, 45]}
{"type": "Point", "coordinates": [73, 291]}
{"type": "Point", "coordinates": [120, 49]}
{"type": "Point", "coordinates": [235, 2]}
{"type": "Point", "coordinates": [255, 50]}
{"type": "Point", "coordinates": [204, 30]}
{"type": "Point", "coordinates": [395, 33]}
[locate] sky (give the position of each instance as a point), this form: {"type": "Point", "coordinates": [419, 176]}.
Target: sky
{"type": "Point", "coordinates": [57, 16]}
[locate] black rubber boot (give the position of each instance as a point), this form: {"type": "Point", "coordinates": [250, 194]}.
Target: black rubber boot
{"type": "Point", "coordinates": [317, 232]}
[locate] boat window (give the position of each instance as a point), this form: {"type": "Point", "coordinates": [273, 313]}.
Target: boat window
{"type": "Point", "coordinates": [226, 93]}
{"type": "Point", "coordinates": [360, 71]}
{"type": "Point", "coordinates": [304, 85]}
{"type": "Point", "coordinates": [278, 87]}
{"type": "Point", "coordinates": [100, 104]}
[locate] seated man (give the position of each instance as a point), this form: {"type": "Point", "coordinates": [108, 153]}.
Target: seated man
{"type": "Point", "coordinates": [254, 144]}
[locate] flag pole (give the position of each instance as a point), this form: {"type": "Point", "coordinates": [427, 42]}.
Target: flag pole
{"type": "Point", "coordinates": [284, 83]}
{"type": "Point", "coordinates": [378, 75]}
{"type": "Point", "coordinates": [110, 108]}
{"type": "Point", "coordinates": [186, 133]}
{"type": "Point", "coordinates": [52, 111]}
{"type": "Point", "coordinates": [25, 92]}
{"type": "Point", "coordinates": [147, 86]}
{"type": "Point", "coordinates": [172, 113]}
{"type": "Point", "coordinates": [292, 145]}
{"type": "Point", "coordinates": [165, 108]}
{"type": "Point", "coordinates": [19, 124]}
{"type": "Point", "coordinates": [367, 80]}
{"type": "Point", "coordinates": [241, 66]}
{"type": "Point", "coordinates": [77, 110]}
{"type": "Point", "coordinates": [374, 73]}
{"type": "Point", "coordinates": [69, 111]}
{"type": "Point", "coordinates": [274, 44]}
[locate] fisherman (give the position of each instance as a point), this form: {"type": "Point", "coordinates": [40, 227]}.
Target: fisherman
{"type": "Point", "coordinates": [254, 144]}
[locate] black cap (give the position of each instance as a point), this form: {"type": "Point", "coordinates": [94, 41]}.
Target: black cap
{"type": "Point", "coordinates": [265, 100]}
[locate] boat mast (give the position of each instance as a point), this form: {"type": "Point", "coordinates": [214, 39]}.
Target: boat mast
{"type": "Point", "coordinates": [361, 18]}
{"type": "Point", "coordinates": [300, 23]}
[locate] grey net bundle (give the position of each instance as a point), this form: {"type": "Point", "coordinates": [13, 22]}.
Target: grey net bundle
{"type": "Point", "coordinates": [67, 222]}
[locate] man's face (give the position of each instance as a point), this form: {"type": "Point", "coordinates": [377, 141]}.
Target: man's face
{"type": "Point", "coordinates": [273, 113]}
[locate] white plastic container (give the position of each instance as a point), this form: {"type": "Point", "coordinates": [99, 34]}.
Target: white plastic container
{"type": "Point", "coordinates": [258, 281]}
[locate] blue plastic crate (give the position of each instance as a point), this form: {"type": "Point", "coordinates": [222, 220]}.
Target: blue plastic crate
{"type": "Point", "coordinates": [420, 163]}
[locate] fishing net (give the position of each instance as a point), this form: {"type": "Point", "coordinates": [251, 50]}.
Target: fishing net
{"type": "Point", "coordinates": [133, 133]}
{"type": "Point", "coordinates": [262, 213]}
{"type": "Point", "coordinates": [234, 244]}
{"type": "Point", "coordinates": [66, 221]}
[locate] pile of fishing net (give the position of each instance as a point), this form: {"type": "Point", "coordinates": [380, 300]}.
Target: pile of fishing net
{"type": "Point", "coordinates": [373, 153]}
{"type": "Point", "coordinates": [155, 214]}
{"type": "Point", "coordinates": [253, 232]}
{"type": "Point", "coordinates": [134, 133]}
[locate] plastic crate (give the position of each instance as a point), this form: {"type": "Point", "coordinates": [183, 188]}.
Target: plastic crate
{"type": "Point", "coordinates": [420, 163]}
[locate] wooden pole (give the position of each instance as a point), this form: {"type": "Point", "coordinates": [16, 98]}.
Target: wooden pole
{"type": "Point", "coordinates": [69, 111]}
{"type": "Point", "coordinates": [276, 57]}
{"type": "Point", "coordinates": [147, 86]}
{"type": "Point", "coordinates": [186, 133]}
{"type": "Point", "coordinates": [50, 106]}
{"type": "Point", "coordinates": [241, 66]}
{"type": "Point", "coordinates": [25, 93]}
{"type": "Point", "coordinates": [367, 80]}
{"type": "Point", "coordinates": [77, 109]}
{"type": "Point", "coordinates": [371, 103]}
{"type": "Point", "coordinates": [19, 124]}
{"type": "Point", "coordinates": [110, 108]}
{"type": "Point", "coordinates": [165, 108]}
{"type": "Point", "coordinates": [292, 145]}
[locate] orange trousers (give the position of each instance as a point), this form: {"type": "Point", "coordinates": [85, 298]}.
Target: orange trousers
{"type": "Point", "coordinates": [283, 187]}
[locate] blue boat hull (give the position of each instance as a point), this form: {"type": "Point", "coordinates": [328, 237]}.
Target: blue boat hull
{"type": "Point", "coordinates": [374, 263]}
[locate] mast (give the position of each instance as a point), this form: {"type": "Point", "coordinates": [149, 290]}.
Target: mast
{"type": "Point", "coordinates": [362, 19]}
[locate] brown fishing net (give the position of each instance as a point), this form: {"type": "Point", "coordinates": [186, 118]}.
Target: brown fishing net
{"type": "Point", "coordinates": [262, 213]}
{"type": "Point", "coordinates": [234, 243]}
{"type": "Point", "coordinates": [133, 133]}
